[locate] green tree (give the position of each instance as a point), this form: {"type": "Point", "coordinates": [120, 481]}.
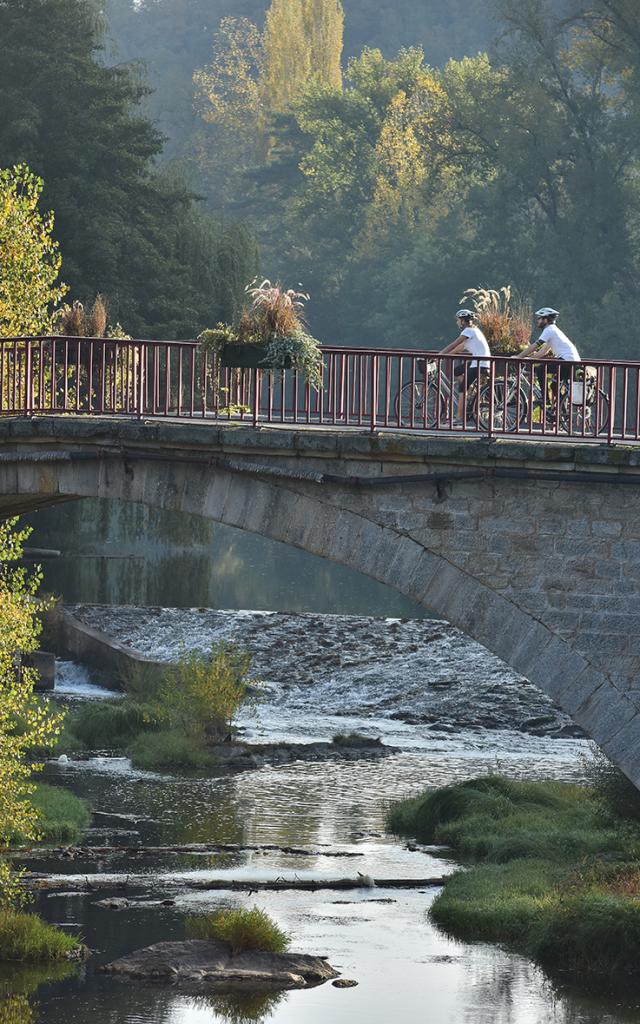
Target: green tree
{"type": "Point", "coordinates": [25, 722]}
{"type": "Point", "coordinates": [29, 257]}
{"type": "Point", "coordinates": [121, 224]}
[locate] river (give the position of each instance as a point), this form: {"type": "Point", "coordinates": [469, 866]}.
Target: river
{"type": "Point", "coordinates": [406, 969]}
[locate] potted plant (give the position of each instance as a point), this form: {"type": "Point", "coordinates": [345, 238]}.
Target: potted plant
{"type": "Point", "coordinates": [270, 334]}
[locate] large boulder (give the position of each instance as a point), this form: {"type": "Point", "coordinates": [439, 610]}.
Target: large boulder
{"type": "Point", "coordinates": [196, 963]}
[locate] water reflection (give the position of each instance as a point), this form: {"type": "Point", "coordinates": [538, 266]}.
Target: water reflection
{"type": "Point", "coordinates": [18, 983]}
{"type": "Point", "coordinates": [123, 553]}
{"type": "Point", "coordinates": [251, 1008]}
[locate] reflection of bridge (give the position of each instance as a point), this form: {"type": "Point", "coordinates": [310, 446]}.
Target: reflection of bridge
{"type": "Point", "coordinates": [379, 389]}
{"type": "Point", "coordinates": [530, 547]}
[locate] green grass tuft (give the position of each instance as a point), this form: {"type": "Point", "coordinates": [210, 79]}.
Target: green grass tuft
{"type": "Point", "coordinates": [111, 725]}
{"type": "Point", "coordinates": [168, 749]}
{"type": "Point", "coordinates": [242, 929]}
{"type": "Point", "coordinates": [63, 817]}
{"type": "Point", "coordinates": [28, 938]}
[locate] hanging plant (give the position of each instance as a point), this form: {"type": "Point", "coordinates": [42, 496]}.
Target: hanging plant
{"type": "Point", "coordinates": [269, 334]}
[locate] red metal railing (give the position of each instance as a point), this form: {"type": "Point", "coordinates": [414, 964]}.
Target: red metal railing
{"type": "Point", "coordinates": [401, 389]}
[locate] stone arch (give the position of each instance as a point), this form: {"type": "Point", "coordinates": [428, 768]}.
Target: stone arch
{"type": "Point", "coordinates": [304, 515]}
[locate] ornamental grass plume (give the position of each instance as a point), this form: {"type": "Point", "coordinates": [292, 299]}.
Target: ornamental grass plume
{"type": "Point", "coordinates": [504, 318]}
{"type": "Point", "coordinates": [275, 311]}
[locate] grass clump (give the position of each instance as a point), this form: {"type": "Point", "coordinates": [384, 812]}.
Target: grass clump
{"type": "Point", "coordinates": [28, 938]}
{"type": "Point", "coordinates": [63, 817]}
{"type": "Point", "coordinates": [168, 749]}
{"type": "Point", "coordinates": [242, 929]}
{"type": "Point", "coordinates": [552, 870]}
{"type": "Point", "coordinates": [111, 725]}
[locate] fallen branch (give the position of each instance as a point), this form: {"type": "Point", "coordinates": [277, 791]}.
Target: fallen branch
{"type": "Point", "coordinates": [96, 882]}
{"type": "Point", "coordinates": [88, 852]}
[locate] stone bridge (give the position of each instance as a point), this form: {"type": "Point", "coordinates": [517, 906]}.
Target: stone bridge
{"type": "Point", "coordinates": [531, 548]}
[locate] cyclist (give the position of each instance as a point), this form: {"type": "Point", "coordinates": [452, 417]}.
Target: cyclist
{"type": "Point", "coordinates": [472, 341]}
{"type": "Point", "coordinates": [554, 345]}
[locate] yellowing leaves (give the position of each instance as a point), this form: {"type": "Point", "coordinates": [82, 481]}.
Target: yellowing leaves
{"type": "Point", "coordinates": [29, 257]}
{"type": "Point", "coordinates": [25, 722]}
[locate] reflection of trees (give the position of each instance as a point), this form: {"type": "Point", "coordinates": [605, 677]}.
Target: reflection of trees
{"type": "Point", "coordinates": [242, 1008]}
{"type": "Point", "coordinates": [17, 983]}
{"type": "Point", "coordinates": [169, 558]}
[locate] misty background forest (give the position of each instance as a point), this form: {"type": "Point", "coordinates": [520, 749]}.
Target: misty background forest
{"type": "Point", "coordinates": [387, 156]}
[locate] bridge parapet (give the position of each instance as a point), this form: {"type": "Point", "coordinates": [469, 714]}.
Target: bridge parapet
{"type": "Point", "coordinates": [390, 389]}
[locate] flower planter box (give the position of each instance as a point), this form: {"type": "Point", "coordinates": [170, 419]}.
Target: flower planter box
{"type": "Point", "coordinates": [248, 356]}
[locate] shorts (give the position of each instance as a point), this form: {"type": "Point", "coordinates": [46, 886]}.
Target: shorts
{"type": "Point", "coordinates": [472, 376]}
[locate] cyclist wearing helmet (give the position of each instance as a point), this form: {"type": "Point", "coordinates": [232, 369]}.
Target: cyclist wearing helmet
{"type": "Point", "coordinates": [473, 342]}
{"type": "Point", "coordinates": [555, 345]}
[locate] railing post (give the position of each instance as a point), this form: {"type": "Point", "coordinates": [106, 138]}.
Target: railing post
{"type": "Point", "coordinates": [140, 377]}
{"type": "Point", "coordinates": [374, 390]}
{"type": "Point", "coordinates": [256, 398]}
{"type": "Point", "coordinates": [28, 382]}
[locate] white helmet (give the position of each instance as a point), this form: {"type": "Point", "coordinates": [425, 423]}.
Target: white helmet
{"type": "Point", "coordinates": [465, 314]}
{"type": "Point", "coordinates": [546, 311]}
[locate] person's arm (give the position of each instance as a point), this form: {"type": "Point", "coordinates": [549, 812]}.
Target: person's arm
{"type": "Point", "coordinates": [455, 346]}
{"type": "Point", "coordinates": [533, 347]}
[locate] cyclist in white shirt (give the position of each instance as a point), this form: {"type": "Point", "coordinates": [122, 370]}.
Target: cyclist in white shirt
{"type": "Point", "coordinates": [554, 345]}
{"type": "Point", "coordinates": [473, 342]}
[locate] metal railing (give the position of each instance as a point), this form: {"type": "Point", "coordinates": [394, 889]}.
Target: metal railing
{"type": "Point", "coordinates": [401, 389]}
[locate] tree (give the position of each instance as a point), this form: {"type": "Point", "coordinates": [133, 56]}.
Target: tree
{"type": "Point", "coordinates": [121, 223]}
{"type": "Point", "coordinates": [303, 44]}
{"type": "Point", "coordinates": [29, 257]}
{"type": "Point", "coordinates": [25, 722]}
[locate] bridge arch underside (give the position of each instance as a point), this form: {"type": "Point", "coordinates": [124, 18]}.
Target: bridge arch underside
{"type": "Point", "coordinates": [549, 593]}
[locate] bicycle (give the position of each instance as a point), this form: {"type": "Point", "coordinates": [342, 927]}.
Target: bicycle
{"type": "Point", "coordinates": [430, 401]}
{"type": "Point", "coordinates": [569, 405]}
{"type": "Point", "coordinates": [508, 405]}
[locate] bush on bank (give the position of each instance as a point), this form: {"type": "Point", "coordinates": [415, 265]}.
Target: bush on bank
{"type": "Point", "coordinates": [169, 719]}
{"type": "Point", "coordinates": [552, 870]}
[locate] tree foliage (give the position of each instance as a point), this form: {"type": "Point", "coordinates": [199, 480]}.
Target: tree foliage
{"type": "Point", "coordinates": [25, 722]}
{"type": "Point", "coordinates": [303, 43]}
{"type": "Point", "coordinates": [125, 228]}
{"type": "Point", "coordinates": [29, 257]}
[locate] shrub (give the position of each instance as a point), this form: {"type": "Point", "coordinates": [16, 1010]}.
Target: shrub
{"type": "Point", "coordinates": [26, 937]}
{"type": "Point", "coordinates": [242, 929]}
{"type": "Point", "coordinates": [141, 681]}
{"type": "Point", "coordinates": [204, 694]}
{"type": "Point", "coordinates": [168, 749]}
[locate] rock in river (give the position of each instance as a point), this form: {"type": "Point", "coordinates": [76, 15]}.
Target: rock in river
{"type": "Point", "coordinates": [198, 964]}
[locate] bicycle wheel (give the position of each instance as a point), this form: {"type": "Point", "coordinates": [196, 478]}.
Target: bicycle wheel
{"type": "Point", "coordinates": [602, 426]}
{"type": "Point", "coordinates": [510, 407]}
{"type": "Point", "coordinates": [410, 405]}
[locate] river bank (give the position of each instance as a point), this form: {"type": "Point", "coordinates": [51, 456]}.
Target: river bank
{"type": "Point", "coordinates": [550, 868]}
{"type": "Point", "coordinates": [291, 821]}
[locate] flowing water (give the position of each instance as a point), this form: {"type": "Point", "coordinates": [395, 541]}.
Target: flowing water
{"type": "Point", "coordinates": [421, 686]}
